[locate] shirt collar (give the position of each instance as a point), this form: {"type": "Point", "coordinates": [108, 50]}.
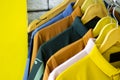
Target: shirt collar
{"type": "Point", "coordinates": [89, 44]}
{"type": "Point", "coordinates": [76, 12]}
{"type": "Point", "coordinates": [102, 63]}
{"type": "Point", "coordinates": [87, 36]}
{"type": "Point", "coordinates": [79, 27]}
{"type": "Point", "coordinates": [68, 10]}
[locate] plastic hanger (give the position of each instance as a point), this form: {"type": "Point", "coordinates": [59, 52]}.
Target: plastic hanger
{"type": "Point", "coordinates": [101, 24]}
{"type": "Point", "coordinates": [78, 3]}
{"type": "Point", "coordinates": [32, 25]}
{"type": "Point", "coordinates": [111, 39]}
{"type": "Point", "coordinates": [94, 10]}
{"type": "Point", "coordinates": [57, 9]}
{"type": "Point", "coordinates": [104, 32]}
{"type": "Point", "coordinates": [49, 15]}
{"type": "Point", "coordinates": [87, 3]}
{"type": "Point", "coordinates": [116, 2]}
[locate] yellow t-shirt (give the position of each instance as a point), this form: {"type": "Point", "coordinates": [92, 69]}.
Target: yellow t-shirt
{"type": "Point", "coordinates": [92, 67]}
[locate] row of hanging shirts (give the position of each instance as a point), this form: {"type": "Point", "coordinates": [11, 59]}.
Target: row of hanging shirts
{"type": "Point", "coordinates": [78, 42]}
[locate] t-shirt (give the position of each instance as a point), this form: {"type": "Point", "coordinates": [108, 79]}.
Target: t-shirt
{"type": "Point", "coordinates": [72, 49]}
{"type": "Point", "coordinates": [92, 67]}
{"type": "Point", "coordinates": [73, 33]}
{"type": "Point", "coordinates": [65, 13]}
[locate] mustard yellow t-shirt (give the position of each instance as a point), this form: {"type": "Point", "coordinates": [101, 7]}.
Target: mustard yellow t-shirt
{"type": "Point", "coordinates": [92, 67]}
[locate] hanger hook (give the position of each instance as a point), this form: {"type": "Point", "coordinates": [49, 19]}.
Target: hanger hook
{"type": "Point", "coordinates": [109, 7]}
{"type": "Point", "coordinates": [114, 8]}
{"type": "Point", "coordinates": [116, 3]}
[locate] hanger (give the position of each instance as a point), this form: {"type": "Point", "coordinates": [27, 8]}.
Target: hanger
{"type": "Point", "coordinates": [49, 15]}
{"type": "Point", "coordinates": [32, 25]}
{"type": "Point", "coordinates": [87, 3]}
{"type": "Point", "coordinates": [78, 3]}
{"type": "Point", "coordinates": [94, 10]}
{"type": "Point", "coordinates": [112, 38]}
{"type": "Point", "coordinates": [58, 8]}
{"type": "Point", "coordinates": [104, 32]}
{"type": "Point", "coordinates": [103, 28]}
{"type": "Point", "coordinates": [101, 24]}
{"type": "Point", "coordinates": [116, 2]}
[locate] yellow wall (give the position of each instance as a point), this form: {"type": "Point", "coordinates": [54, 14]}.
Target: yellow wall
{"type": "Point", "coordinates": [13, 39]}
